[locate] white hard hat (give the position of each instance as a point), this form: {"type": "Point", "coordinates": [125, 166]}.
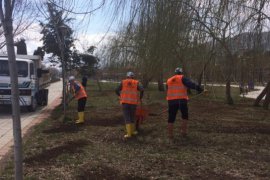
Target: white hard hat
{"type": "Point", "coordinates": [178, 70]}
{"type": "Point", "coordinates": [71, 78]}
{"type": "Point", "coordinates": [130, 74]}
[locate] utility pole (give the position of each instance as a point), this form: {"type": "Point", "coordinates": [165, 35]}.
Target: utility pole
{"type": "Point", "coordinates": [7, 23]}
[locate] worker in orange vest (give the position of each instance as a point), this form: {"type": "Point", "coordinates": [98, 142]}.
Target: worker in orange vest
{"type": "Point", "coordinates": [79, 93]}
{"type": "Point", "coordinates": [130, 92]}
{"type": "Point", "coordinates": [178, 100]}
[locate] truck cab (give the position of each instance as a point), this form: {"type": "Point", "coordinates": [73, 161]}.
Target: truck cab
{"type": "Point", "coordinates": [32, 81]}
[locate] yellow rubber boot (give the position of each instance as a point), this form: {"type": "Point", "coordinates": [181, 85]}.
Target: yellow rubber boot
{"type": "Point", "coordinates": [134, 132]}
{"type": "Point", "coordinates": [129, 131]}
{"type": "Point", "coordinates": [81, 118]}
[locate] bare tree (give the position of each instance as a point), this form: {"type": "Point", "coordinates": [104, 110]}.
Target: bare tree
{"type": "Point", "coordinates": [154, 40]}
{"type": "Point", "coordinates": [6, 11]}
{"type": "Point", "coordinates": [259, 19]}
{"type": "Point", "coordinates": [24, 15]}
{"type": "Point", "coordinates": [200, 36]}
{"type": "Point", "coordinates": [221, 21]}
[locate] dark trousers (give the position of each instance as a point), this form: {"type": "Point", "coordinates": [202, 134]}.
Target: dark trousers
{"type": "Point", "coordinates": [129, 111]}
{"type": "Point", "coordinates": [81, 104]}
{"type": "Point", "coordinates": [175, 106]}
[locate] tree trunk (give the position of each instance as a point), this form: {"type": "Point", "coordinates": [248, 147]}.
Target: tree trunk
{"type": "Point", "coordinates": [241, 75]}
{"type": "Point", "coordinates": [229, 71]}
{"type": "Point", "coordinates": [8, 31]}
{"type": "Point", "coordinates": [200, 79]}
{"type": "Point", "coordinates": [145, 81]}
{"type": "Point", "coordinates": [228, 92]}
{"type": "Point", "coordinates": [260, 76]}
{"type": "Point", "coordinates": [160, 83]}
{"type": "Point", "coordinates": [202, 74]}
{"type": "Point", "coordinates": [64, 95]}
{"type": "Point", "coordinates": [61, 46]}
{"type": "Point", "coordinates": [99, 85]}
{"type": "Point", "coordinates": [263, 93]}
{"type": "Point", "coordinates": [267, 99]}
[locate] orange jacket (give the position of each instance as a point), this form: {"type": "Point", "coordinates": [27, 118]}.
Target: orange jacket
{"type": "Point", "coordinates": [129, 92]}
{"type": "Point", "coordinates": [176, 88]}
{"type": "Point", "coordinates": [81, 93]}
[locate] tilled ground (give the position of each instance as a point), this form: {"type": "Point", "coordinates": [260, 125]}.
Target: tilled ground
{"type": "Point", "coordinates": [224, 142]}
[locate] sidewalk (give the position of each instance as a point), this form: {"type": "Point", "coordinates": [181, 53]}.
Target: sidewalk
{"type": "Point", "coordinates": [256, 93]}
{"type": "Point", "coordinates": [252, 94]}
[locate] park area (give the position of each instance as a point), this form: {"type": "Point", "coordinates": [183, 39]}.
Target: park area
{"type": "Point", "coordinates": [224, 141]}
{"type": "Point", "coordinates": [222, 46]}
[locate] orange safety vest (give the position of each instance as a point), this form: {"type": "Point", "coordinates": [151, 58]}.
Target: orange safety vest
{"type": "Point", "coordinates": [81, 93]}
{"type": "Point", "coordinates": [129, 92]}
{"type": "Point", "coordinates": [176, 88]}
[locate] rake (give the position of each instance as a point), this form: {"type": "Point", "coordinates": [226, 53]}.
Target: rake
{"type": "Point", "coordinates": [141, 115]}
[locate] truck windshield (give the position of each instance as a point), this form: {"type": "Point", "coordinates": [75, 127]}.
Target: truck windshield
{"type": "Point", "coordinates": [21, 66]}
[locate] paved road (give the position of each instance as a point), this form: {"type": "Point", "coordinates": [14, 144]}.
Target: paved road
{"type": "Point", "coordinates": [27, 118]}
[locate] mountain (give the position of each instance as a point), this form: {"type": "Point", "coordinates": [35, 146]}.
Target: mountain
{"type": "Point", "coordinates": [248, 40]}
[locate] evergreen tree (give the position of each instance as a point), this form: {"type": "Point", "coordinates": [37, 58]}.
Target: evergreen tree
{"type": "Point", "coordinates": [89, 63]}
{"type": "Point", "coordinates": [55, 32]}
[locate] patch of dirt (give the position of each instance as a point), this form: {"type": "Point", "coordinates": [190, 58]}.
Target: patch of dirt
{"type": "Point", "coordinates": [69, 147]}
{"type": "Point", "coordinates": [156, 108]}
{"type": "Point", "coordinates": [222, 118]}
{"type": "Point", "coordinates": [109, 136]}
{"type": "Point", "coordinates": [175, 169]}
{"type": "Point", "coordinates": [62, 128]}
{"type": "Point", "coordinates": [237, 129]}
{"type": "Point", "coordinates": [199, 156]}
{"type": "Point", "coordinates": [209, 174]}
{"type": "Point", "coordinates": [88, 172]}
{"type": "Point", "coordinates": [254, 157]}
{"type": "Point", "coordinates": [109, 121]}
{"type": "Point", "coordinates": [202, 107]}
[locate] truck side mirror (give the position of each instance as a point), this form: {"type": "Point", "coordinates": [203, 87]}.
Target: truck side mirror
{"type": "Point", "coordinates": [39, 73]}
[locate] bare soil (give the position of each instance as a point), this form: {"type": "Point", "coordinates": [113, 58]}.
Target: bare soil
{"type": "Point", "coordinates": [224, 142]}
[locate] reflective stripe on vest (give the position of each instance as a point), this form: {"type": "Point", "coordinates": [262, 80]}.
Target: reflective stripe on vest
{"type": "Point", "coordinates": [128, 100]}
{"type": "Point", "coordinates": [81, 93]}
{"type": "Point", "coordinates": [129, 92]}
{"type": "Point", "coordinates": [176, 88]}
{"type": "Point", "coordinates": [177, 94]}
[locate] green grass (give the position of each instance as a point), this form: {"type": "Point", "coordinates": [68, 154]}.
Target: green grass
{"type": "Point", "coordinates": [224, 142]}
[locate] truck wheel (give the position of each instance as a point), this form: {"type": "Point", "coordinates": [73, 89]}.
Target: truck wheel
{"type": "Point", "coordinates": [33, 106]}
{"type": "Point", "coordinates": [45, 97]}
{"type": "Point", "coordinates": [45, 100]}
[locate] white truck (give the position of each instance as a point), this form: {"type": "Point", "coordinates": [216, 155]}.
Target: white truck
{"type": "Point", "coordinates": [32, 81]}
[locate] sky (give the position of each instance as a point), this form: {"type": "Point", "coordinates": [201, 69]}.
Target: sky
{"type": "Point", "coordinates": [89, 30]}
